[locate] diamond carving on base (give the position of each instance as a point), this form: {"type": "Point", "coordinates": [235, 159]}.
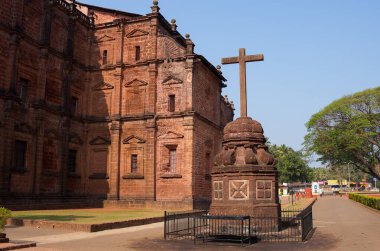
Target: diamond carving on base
{"type": "Point", "coordinates": [239, 189]}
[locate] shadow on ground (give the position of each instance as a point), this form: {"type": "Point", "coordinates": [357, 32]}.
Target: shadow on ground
{"type": "Point", "coordinates": [318, 241]}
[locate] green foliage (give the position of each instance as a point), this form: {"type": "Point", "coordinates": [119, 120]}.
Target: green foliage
{"type": "Point", "coordinates": [369, 201]}
{"type": "Point", "coordinates": [348, 131]}
{"type": "Point", "coordinates": [338, 172]}
{"type": "Point", "coordinates": [291, 165]}
{"type": "Point", "coordinates": [4, 215]}
{"type": "Point", "coordinates": [321, 173]}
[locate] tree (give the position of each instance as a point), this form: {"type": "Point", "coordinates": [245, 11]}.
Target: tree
{"type": "Point", "coordinates": [321, 173]}
{"type": "Point", "coordinates": [348, 132]}
{"type": "Point", "coordinates": [338, 172]}
{"type": "Point", "coordinates": [290, 164]}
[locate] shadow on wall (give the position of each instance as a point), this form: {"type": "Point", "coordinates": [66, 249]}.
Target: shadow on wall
{"type": "Point", "coordinates": [101, 95]}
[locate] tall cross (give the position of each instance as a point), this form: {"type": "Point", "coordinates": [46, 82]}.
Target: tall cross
{"type": "Point", "coordinates": [242, 59]}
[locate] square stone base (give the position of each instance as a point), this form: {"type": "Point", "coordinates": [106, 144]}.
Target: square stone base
{"type": "Point", "coordinates": [247, 192]}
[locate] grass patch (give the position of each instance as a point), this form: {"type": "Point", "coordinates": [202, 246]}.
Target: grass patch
{"type": "Point", "coordinates": [88, 216]}
{"type": "Point", "coordinates": [300, 204]}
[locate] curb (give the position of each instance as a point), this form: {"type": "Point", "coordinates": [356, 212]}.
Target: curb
{"type": "Point", "coordinates": [13, 245]}
{"type": "Point", "coordinates": [83, 227]}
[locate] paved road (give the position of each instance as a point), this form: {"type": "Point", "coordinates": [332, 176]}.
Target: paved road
{"type": "Point", "coordinates": [340, 224]}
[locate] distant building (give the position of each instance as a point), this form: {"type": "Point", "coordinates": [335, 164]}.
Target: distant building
{"type": "Point", "coordinates": [102, 103]}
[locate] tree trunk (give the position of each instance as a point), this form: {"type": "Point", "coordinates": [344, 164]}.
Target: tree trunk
{"type": "Point", "coordinates": [376, 171]}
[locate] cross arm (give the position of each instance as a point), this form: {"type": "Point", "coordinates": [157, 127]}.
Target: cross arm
{"type": "Point", "coordinates": [248, 58]}
{"type": "Point", "coordinates": [232, 60]}
{"type": "Point", "coordinates": [252, 58]}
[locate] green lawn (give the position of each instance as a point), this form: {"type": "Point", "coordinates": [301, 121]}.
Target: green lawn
{"type": "Point", "coordinates": [98, 215]}
{"type": "Point", "coordinates": [87, 216]}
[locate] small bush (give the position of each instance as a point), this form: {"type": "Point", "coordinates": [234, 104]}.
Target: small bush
{"type": "Point", "coordinates": [365, 200]}
{"type": "Point", "coordinates": [4, 215]}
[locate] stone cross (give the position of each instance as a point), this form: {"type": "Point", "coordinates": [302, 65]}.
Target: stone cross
{"type": "Point", "coordinates": [242, 59]}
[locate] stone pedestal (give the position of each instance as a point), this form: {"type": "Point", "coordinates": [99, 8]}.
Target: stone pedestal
{"type": "Point", "coordinates": [244, 177]}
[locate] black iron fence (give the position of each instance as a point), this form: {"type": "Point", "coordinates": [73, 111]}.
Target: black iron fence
{"type": "Point", "coordinates": [307, 222]}
{"type": "Point", "coordinates": [226, 228]}
{"type": "Point", "coordinates": [287, 228]}
{"type": "Point", "coordinates": [292, 226]}
{"type": "Point", "coordinates": [180, 224]}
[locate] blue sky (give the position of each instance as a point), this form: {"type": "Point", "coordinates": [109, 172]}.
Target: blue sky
{"type": "Point", "coordinates": [315, 52]}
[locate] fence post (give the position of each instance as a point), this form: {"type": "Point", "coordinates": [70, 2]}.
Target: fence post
{"type": "Point", "coordinates": [165, 221]}
{"type": "Point", "coordinates": [249, 230]}
{"type": "Point", "coordinates": [194, 226]}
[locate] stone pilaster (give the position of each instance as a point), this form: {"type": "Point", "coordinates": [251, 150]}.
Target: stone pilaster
{"type": "Point", "coordinates": [153, 67]}
{"type": "Point", "coordinates": [38, 151]}
{"type": "Point", "coordinates": [46, 27]}
{"type": "Point", "coordinates": [14, 55]}
{"type": "Point", "coordinates": [114, 175]}
{"type": "Point", "coordinates": [6, 162]}
{"type": "Point", "coordinates": [150, 164]}
{"type": "Point", "coordinates": [188, 83]}
{"type": "Point", "coordinates": [64, 150]}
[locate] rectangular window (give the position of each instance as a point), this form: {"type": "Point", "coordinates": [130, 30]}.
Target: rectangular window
{"type": "Point", "coordinates": [71, 161]}
{"type": "Point", "coordinates": [172, 160]}
{"type": "Point", "coordinates": [20, 155]}
{"type": "Point", "coordinates": [134, 163]}
{"type": "Point", "coordinates": [171, 103]}
{"type": "Point", "coordinates": [137, 56]}
{"type": "Point", "coordinates": [23, 93]}
{"type": "Point", "coordinates": [74, 105]}
{"type": "Point", "coordinates": [105, 54]}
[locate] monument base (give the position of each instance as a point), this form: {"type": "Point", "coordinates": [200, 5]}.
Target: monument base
{"type": "Point", "coordinates": [265, 217]}
{"type": "Point", "coordinates": [245, 190]}
{"type": "Point", "coordinates": [248, 191]}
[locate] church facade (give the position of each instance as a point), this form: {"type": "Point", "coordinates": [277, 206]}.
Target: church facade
{"type": "Point", "coordinates": [106, 104]}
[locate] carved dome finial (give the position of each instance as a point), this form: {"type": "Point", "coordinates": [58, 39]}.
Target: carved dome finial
{"type": "Point", "coordinates": [244, 145]}
{"type": "Point", "coordinates": [244, 129]}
